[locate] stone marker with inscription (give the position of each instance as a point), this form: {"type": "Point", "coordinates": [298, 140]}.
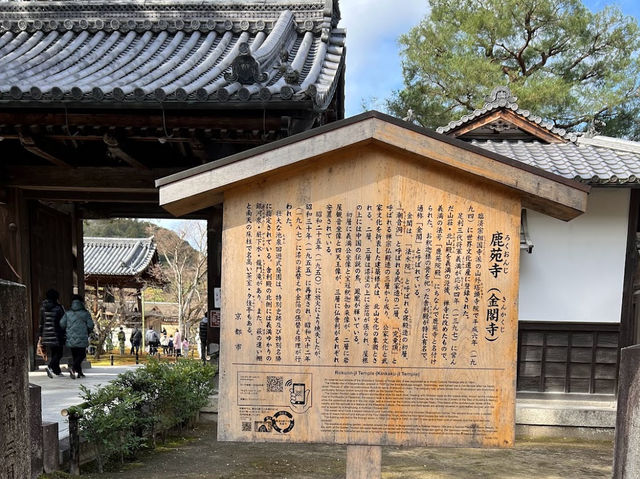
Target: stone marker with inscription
{"type": "Point", "coordinates": [15, 445]}
{"type": "Point", "coordinates": [370, 282]}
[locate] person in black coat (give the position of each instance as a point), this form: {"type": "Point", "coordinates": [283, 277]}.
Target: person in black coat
{"type": "Point", "coordinates": [136, 341]}
{"type": "Point", "coordinates": [203, 332]}
{"type": "Point", "coordinates": [52, 336]}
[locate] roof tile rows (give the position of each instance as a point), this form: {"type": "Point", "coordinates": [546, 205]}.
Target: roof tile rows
{"type": "Point", "coordinates": [587, 163]}
{"type": "Point", "coordinates": [117, 256]}
{"type": "Point", "coordinates": [185, 51]}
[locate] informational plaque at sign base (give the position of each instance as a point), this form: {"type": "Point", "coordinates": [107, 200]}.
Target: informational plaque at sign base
{"type": "Point", "coordinates": [370, 299]}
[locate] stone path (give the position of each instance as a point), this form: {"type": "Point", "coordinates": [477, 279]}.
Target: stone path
{"type": "Point", "coordinates": [62, 391]}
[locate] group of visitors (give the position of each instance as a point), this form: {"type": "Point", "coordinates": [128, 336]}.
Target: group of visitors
{"type": "Point", "coordinates": [59, 328]}
{"type": "Point", "coordinates": [174, 345]}
{"type": "Point", "coordinates": [73, 328]}
{"type": "Point", "coordinates": [170, 345]}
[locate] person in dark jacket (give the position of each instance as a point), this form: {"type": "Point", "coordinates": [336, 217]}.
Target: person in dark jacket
{"type": "Point", "coordinates": [136, 340]}
{"type": "Point", "coordinates": [51, 334]}
{"type": "Point", "coordinates": [78, 325]}
{"type": "Point", "coordinates": [203, 332]}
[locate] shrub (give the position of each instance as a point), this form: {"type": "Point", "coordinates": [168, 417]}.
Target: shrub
{"type": "Point", "coordinates": [139, 403]}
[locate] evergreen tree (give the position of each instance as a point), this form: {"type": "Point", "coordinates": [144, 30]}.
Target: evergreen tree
{"type": "Point", "coordinates": [562, 61]}
{"type": "Point", "coordinates": [117, 228]}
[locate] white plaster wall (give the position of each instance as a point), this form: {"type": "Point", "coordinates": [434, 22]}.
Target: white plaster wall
{"type": "Point", "coordinates": [576, 270]}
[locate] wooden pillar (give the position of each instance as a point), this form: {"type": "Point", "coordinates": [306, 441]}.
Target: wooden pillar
{"type": "Point", "coordinates": [627, 317]}
{"type": "Point", "coordinates": [364, 462]}
{"type": "Point", "coordinates": [9, 257]}
{"type": "Point", "coordinates": [77, 251]}
{"type": "Point", "coordinates": [35, 429]}
{"type": "Point", "coordinates": [214, 258]}
{"type": "Point", "coordinates": [626, 457]}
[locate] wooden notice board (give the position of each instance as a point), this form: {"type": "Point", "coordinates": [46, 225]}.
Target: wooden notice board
{"type": "Point", "coordinates": [370, 298]}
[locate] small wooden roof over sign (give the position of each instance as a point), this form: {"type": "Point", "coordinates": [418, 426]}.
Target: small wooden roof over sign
{"type": "Point", "coordinates": [539, 190]}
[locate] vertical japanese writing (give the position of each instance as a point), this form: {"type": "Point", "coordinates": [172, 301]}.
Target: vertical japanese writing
{"type": "Point", "coordinates": [299, 237]}
{"type": "Point", "coordinates": [424, 276]}
{"type": "Point", "coordinates": [248, 265]}
{"type": "Point", "coordinates": [308, 281]}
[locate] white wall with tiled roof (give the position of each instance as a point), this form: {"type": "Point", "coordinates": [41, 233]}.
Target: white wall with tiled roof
{"type": "Point", "coordinates": [576, 270]}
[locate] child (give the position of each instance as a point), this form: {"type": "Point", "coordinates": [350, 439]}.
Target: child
{"type": "Point", "coordinates": [170, 345]}
{"type": "Point", "coordinates": [185, 348]}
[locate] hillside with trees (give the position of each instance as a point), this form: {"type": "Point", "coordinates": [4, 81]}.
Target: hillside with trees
{"type": "Point", "coordinates": [183, 266]}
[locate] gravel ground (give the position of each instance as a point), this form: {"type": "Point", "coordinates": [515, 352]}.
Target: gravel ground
{"type": "Point", "coordinates": [201, 456]}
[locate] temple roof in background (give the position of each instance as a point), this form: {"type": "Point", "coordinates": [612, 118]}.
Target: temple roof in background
{"type": "Point", "coordinates": [503, 128]}
{"type": "Point", "coordinates": [182, 51]}
{"type": "Point", "coordinates": [118, 258]}
{"type": "Point", "coordinates": [501, 116]}
{"type": "Point", "coordinates": [597, 165]}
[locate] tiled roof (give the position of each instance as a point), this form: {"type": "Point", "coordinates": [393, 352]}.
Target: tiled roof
{"type": "Point", "coordinates": [591, 164]}
{"type": "Point", "coordinates": [194, 51]}
{"type": "Point", "coordinates": [117, 256]}
{"type": "Point", "coordinates": [501, 98]}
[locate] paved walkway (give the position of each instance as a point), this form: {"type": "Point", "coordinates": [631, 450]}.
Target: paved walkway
{"type": "Point", "coordinates": [62, 391]}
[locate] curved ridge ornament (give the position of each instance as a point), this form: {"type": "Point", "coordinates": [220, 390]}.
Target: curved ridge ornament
{"type": "Point", "coordinates": [290, 75]}
{"type": "Point", "coordinates": [245, 69]}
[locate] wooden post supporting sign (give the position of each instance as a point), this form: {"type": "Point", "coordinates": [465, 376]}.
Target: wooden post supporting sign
{"type": "Point", "coordinates": [364, 462]}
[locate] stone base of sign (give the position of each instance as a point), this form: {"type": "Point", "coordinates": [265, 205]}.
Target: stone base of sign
{"type": "Point", "coordinates": [35, 428]}
{"type": "Point", "coordinates": [626, 457]}
{"type": "Point", "coordinates": [15, 460]}
{"type": "Point", "coordinates": [50, 447]}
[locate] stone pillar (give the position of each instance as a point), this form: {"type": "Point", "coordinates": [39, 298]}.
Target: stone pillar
{"type": "Point", "coordinates": [35, 429]}
{"type": "Point", "coordinates": [626, 456]}
{"type": "Point", "coordinates": [51, 447]}
{"type": "Point", "coordinates": [15, 444]}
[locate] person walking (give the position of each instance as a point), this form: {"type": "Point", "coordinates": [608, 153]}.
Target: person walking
{"type": "Point", "coordinates": [152, 341]}
{"type": "Point", "coordinates": [185, 347]}
{"type": "Point", "coordinates": [121, 339]}
{"type": "Point", "coordinates": [177, 343]}
{"type": "Point", "coordinates": [164, 342]}
{"type": "Point", "coordinates": [136, 340]}
{"type": "Point", "coordinates": [78, 325]}
{"type": "Point", "coordinates": [203, 332]}
{"type": "Point", "coordinates": [170, 346]}
{"type": "Point", "coordinates": [51, 334]}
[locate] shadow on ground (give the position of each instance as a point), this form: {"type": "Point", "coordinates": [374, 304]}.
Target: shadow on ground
{"type": "Point", "coordinates": [201, 456]}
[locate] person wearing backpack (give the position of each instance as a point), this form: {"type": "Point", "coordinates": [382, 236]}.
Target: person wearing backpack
{"type": "Point", "coordinates": [152, 340]}
{"type": "Point", "coordinates": [78, 325]}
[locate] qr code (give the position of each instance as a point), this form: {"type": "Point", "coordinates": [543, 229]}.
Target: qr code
{"type": "Point", "coordinates": [246, 426]}
{"type": "Point", "coordinates": [274, 384]}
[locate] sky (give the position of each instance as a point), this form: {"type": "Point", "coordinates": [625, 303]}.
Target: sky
{"type": "Point", "coordinates": [373, 62]}
{"type": "Point", "coordinates": [374, 68]}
